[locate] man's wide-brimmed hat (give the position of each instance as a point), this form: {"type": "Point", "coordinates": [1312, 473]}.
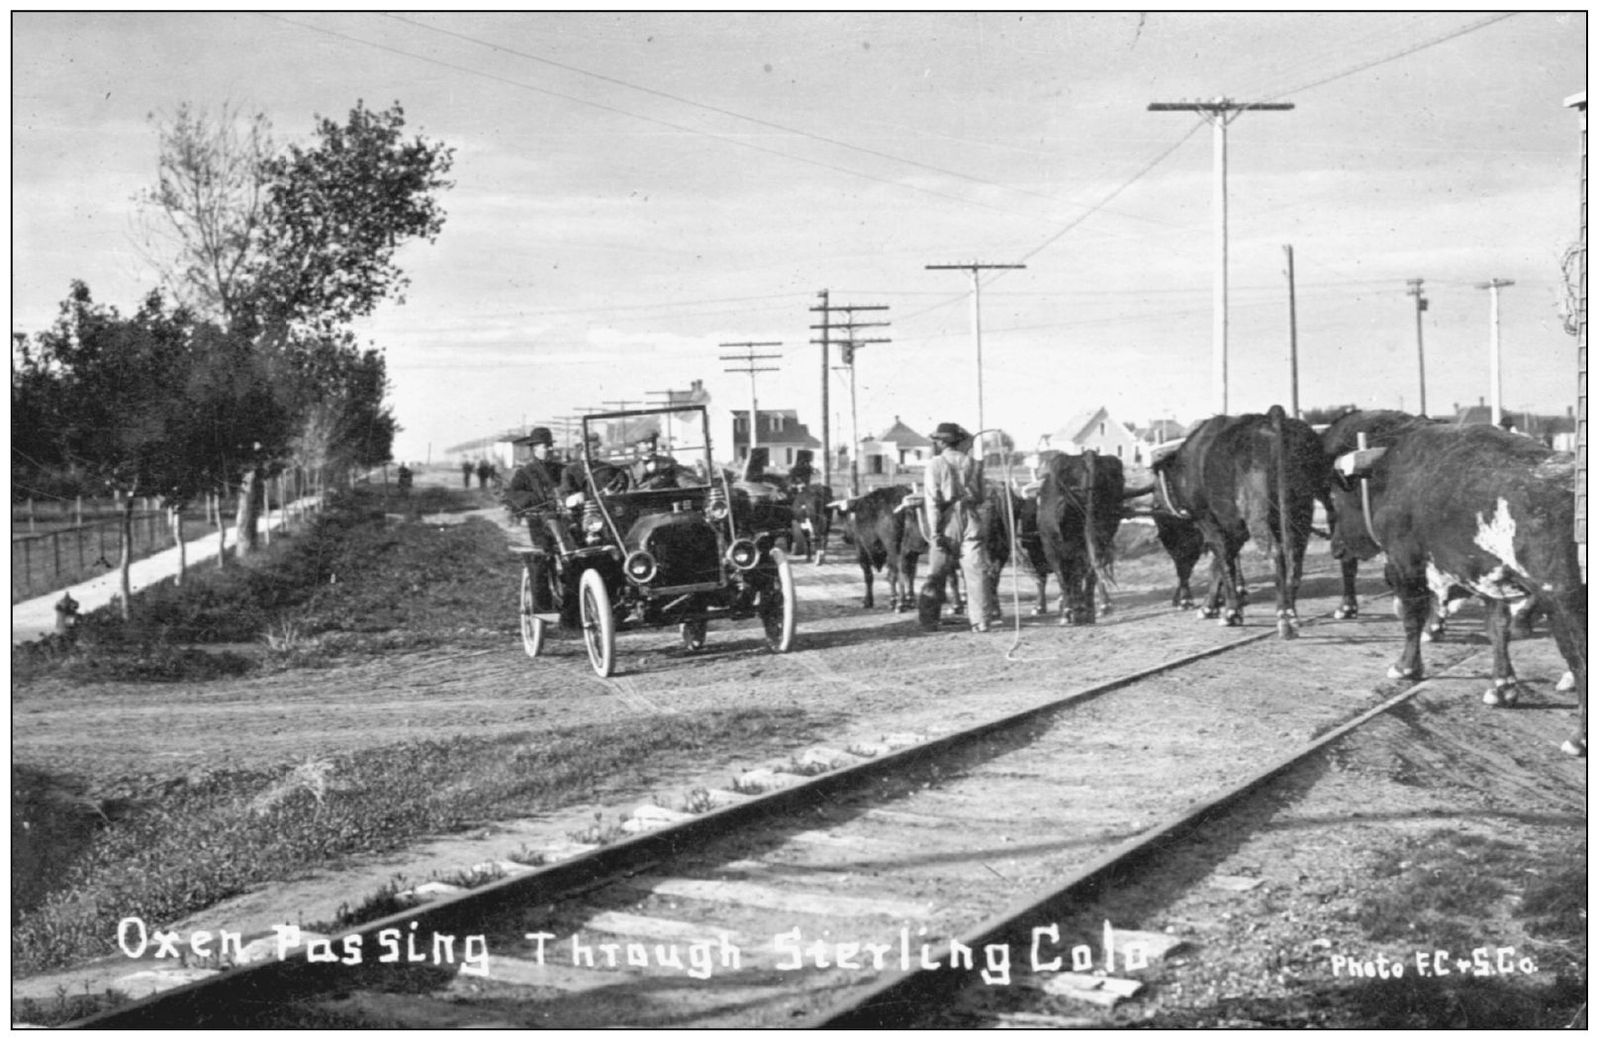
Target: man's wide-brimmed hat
{"type": "Point", "coordinates": [950, 432]}
{"type": "Point", "coordinates": [540, 434]}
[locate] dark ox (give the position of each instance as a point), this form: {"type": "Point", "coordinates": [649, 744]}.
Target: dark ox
{"type": "Point", "coordinates": [1183, 541]}
{"type": "Point", "coordinates": [812, 520]}
{"type": "Point", "coordinates": [1253, 475]}
{"type": "Point", "coordinates": [886, 536]}
{"type": "Point", "coordinates": [1482, 508]}
{"type": "Point", "coordinates": [996, 518]}
{"type": "Point", "coordinates": [1079, 512]}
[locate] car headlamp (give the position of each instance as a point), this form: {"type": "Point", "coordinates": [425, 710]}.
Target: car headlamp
{"type": "Point", "coordinates": [716, 505]}
{"type": "Point", "coordinates": [743, 554]}
{"type": "Point", "coordinates": [641, 567]}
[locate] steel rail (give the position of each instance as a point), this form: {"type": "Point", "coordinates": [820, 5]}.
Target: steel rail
{"type": "Point", "coordinates": [896, 1002]}
{"type": "Point", "coordinates": [256, 987]}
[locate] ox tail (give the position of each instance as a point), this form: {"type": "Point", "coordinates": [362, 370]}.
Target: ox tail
{"type": "Point", "coordinates": [1090, 528]}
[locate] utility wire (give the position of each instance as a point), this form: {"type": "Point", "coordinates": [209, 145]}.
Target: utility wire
{"type": "Point", "coordinates": [739, 115]}
{"type": "Point", "coordinates": [1406, 52]}
{"type": "Point", "coordinates": [644, 118]}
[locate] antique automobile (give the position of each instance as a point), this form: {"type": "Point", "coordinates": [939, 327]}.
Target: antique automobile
{"type": "Point", "coordinates": [653, 539]}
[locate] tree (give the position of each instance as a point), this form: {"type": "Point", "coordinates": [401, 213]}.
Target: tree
{"type": "Point", "coordinates": [100, 389]}
{"type": "Point", "coordinates": [203, 219]}
{"type": "Point", "coordinates": [293, 255]}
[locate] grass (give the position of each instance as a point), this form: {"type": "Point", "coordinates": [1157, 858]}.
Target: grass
{"type": "Point", "coordinates": [208, 840]}
{"type": "Point", "coordinates": [352, 584]}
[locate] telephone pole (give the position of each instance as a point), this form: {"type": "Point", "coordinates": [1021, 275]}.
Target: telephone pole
{"type": "Point", "coordinates": [975, 270]}
{"type": "Point", "coordinates": [1421, 307]}
{"type": "Point", "coordinates": [1493, 357]}
{"type": "Point", "coordinates": [747, 366]}
{"type": "Point", "coordinates": [850, 342]}
{"type": "Point", "coordinates": [1220, 112]}
{"type": "Point", "coordinates": [1292, 328]}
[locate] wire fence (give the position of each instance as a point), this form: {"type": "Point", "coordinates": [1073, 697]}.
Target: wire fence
{"type": "Point", "coordinates": [74, 551]}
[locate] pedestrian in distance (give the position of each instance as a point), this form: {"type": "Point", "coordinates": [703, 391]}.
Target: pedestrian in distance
{"type": "Point", "coordinates": [466, 474]}
{"type": "Point", "coordinates": [484, 470]}
{"type": "Point", "coordinates": [954, 491]}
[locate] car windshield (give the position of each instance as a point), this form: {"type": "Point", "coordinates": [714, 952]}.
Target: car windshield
{"type": "Point", "coordinates": [651, 441]}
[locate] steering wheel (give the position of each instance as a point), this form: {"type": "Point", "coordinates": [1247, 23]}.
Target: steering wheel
{"type": "Point", "coordinates": [612, 479]}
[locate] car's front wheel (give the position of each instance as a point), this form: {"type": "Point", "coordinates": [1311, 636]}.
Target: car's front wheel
{"type": "Point", "coordinates": [599, 623]}
{"type": "Point", "coordinates": [779, 606]}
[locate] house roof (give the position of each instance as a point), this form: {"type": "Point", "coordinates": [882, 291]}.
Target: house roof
{"type": "Point", "coordinates": [792, 432]}
{"type": "Point", "coordinates": [1162, 429]}
{"type": "Point", "coordinates": [1525, 421]}
{"type": "Point", "coordinates": [1079, 425]}
{"type": "Point", "coordinates": [903, 436]}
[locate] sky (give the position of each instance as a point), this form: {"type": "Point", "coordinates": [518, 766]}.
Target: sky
{"type": "Point", "coordinates": [633, 191]}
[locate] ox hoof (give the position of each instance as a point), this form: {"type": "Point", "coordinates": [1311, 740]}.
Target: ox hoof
{"type": "Point", "coordinates": [1232, 620]}
{"type": "Point", "coordinates": [1208, 614]}
{"type": "Point", "coordinates": [1040, 611]}
{"type": "Point", "coordinates": [1575, 747]}
{"type": "Point", "coordinates": [1345, 612]}
{"type": "Point", "coordinates": [1504, 694]}
{"type": "Point", "coordinates": [1403, 673]}
{"type": "Point", "coordinates": [1107, 610]}
{"type": "Point", "coordinates": [1567, 682]}
{"type": "Point", "coordinates": [1186, 603]}
{"type": "Point", "coordinates": [1285, 630]}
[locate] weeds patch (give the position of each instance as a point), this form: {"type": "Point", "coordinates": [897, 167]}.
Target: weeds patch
{"type": "Point", "coordinates": [350, 584]}
{"type": "Point", "coordinates": [203, 841]}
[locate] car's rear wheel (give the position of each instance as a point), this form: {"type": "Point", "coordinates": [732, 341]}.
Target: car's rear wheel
{"type": "Point", "coordinates": [778, 605]}
{"type": "Point", "coordinates": [533, 628]}
{"type": "Point", "coordinates": [599, 623]}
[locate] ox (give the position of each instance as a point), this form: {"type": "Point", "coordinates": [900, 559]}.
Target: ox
{"type": "Point", "coordinates": [1184, 543]}
{"type": "Point", "coordinates": [886, 535]}
{"type": "Point", "coordinates": [812, 520]}
{"type": "Point", "coordinates": [1253, 475]}
{"type": "Point", "coordinates": [1478, 507]}
{"type": "Point", "coordinates": [1079, 511]}
{"type": "Point", "coordinates": [1381, 429]}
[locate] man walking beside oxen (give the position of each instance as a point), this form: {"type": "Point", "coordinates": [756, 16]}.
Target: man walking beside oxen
{"type": "Point", "coordinates": [954, 491]}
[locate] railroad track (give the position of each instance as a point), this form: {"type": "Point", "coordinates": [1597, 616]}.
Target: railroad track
{"type": "Point", "coordinates": [831, 899]}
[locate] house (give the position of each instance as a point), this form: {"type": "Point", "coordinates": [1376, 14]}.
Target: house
{"type": "Point", "coordinates": [780, 432]}
{"type": "Point", "coordinates": [1557, 431]}
{"type": "Point", "coordinates": [1159, 432]}
{"type": "Point", "coordinates": [1094, 430]}
{"type": "Point", "coordinates": [898, 447]}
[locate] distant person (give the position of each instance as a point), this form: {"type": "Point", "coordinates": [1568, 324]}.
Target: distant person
{"type": "Point", "coordinates": [802, 472]}
{"type": "Point", "coordinates": [405, 477]}
{"type": "Point", "coordinates": [466, 473]}
{"type": "Point", "coordinates": [484, 470]}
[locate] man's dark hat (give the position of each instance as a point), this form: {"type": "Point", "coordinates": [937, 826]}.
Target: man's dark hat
{"type": "Point", "coordinates": [540, 434]}
{"type": "Point", "coordinates": [950, 432]}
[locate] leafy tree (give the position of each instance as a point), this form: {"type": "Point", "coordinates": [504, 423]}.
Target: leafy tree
{"type": "Point", "coordinates": [289, 248]}
{"type": "Point", "coordinates": [99, 389]}
{"type": "Point", "coordinates": [203, 219]}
